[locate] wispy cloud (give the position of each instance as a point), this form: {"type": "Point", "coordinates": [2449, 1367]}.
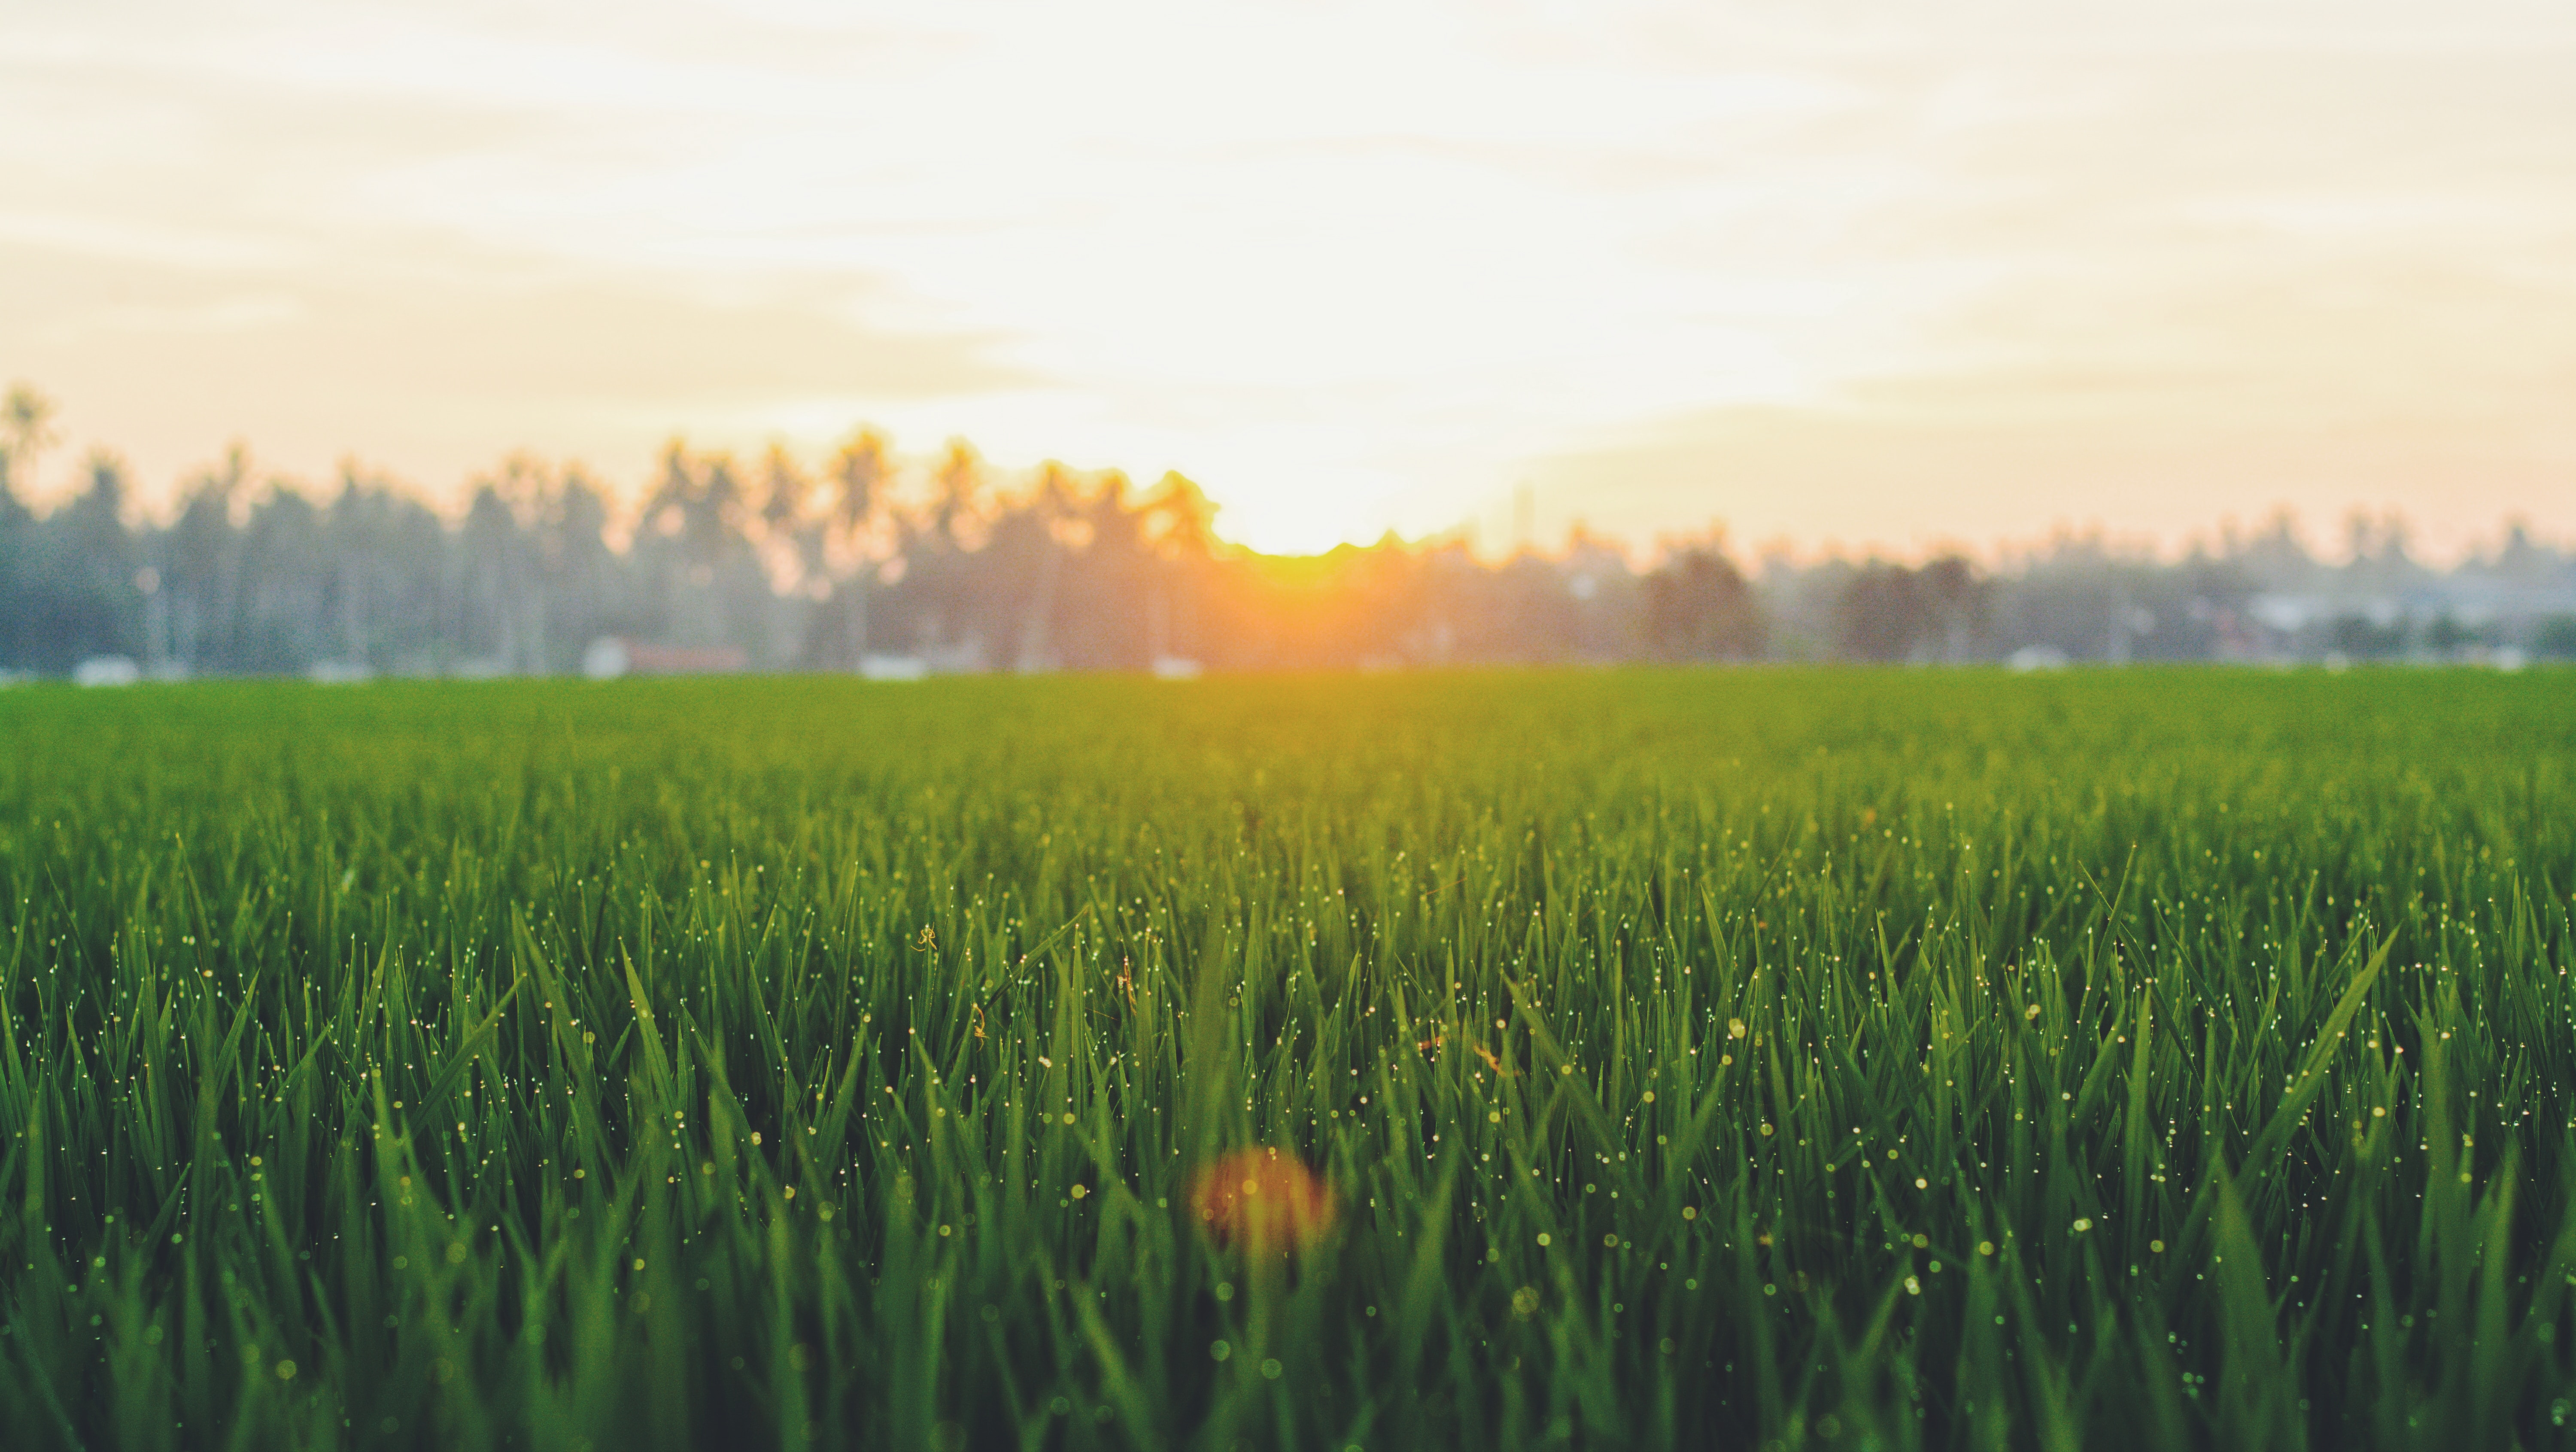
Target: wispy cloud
{"type": "Point", "coordinates": [1353, 265]}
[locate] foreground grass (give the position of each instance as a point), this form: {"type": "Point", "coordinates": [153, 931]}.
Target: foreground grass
{"type": "Point", "coordinates": [1879, 1060]}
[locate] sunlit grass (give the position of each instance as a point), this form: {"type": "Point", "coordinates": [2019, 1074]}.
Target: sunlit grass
{"type": "Point", "coordinates": [1905, 1059]}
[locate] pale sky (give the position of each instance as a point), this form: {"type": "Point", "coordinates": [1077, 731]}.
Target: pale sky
{"type": "Point", "coordinates": [1875, 274]}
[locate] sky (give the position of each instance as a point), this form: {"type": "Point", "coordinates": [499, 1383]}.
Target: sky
{"type": "Point", "coordinates": [1825, 274]}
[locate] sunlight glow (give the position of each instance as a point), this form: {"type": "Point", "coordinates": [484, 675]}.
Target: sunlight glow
{"type": "Point", "coordinates": [1869, 274]}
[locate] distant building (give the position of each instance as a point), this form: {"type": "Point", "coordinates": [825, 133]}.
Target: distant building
{"type": "Point", "coordinates": [2036, 658]}
{"type": "Point", "coordinates": [107, 670]}
{"type": "Point", "coordinates": [612, 656]}
{"type": "Point", "coordinates": [893, 667]}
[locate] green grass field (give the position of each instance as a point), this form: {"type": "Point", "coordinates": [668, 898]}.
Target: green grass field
{"type": "Point", "coordinates": [1838, 1059]}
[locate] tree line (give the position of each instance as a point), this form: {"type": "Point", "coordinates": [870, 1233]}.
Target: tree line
{"type": "Point", "coordinates": [781, 564]}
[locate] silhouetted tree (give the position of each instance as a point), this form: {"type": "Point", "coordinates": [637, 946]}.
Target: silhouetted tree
{"type": "Point", "coordinates": [1890, 613]}
{"type": "Point", "coordinates": [1879, 616]}
{"type": "Point", "coordinates": [859, 472]}
{"type": "Point", "coordinates": [1699, 607]}
{"type": "Point", "coordinates": [1062, 568]}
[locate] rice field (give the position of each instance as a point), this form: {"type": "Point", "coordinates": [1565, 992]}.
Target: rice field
{"type": "Point", "coordinates": [1628, 1059]}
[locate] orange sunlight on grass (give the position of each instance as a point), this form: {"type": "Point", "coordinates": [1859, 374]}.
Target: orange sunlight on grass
{"type": "Point", "coordinates": [1262, 1202]}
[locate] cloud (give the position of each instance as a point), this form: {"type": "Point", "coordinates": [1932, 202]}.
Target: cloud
{"type": "Point", "coordinates": [1352, 265]}
{"type": "Point", "coordinates": [439, 371]}
{"type": "Point", "coordinates": [1979, 459]}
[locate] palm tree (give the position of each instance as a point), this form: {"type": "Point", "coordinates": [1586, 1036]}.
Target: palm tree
{"type": "Point", "coordinates": [959, 477]}
{"type": "Point", "coordinates": [205, 564]}
{"type": "Point", "coordinates": [1051, 503]}
{"type": "Point", "coordinates": [786, 485]}
{"type": "Point", "coordinates": [23, 434]}
{"type": "Point", "coordinates": [858, 471]}
{"type": "Point", "coordinates": [26, 430]}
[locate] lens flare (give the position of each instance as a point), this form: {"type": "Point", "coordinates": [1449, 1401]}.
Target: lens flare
{"type": "Point", "coordinates": [1261, 1200]}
